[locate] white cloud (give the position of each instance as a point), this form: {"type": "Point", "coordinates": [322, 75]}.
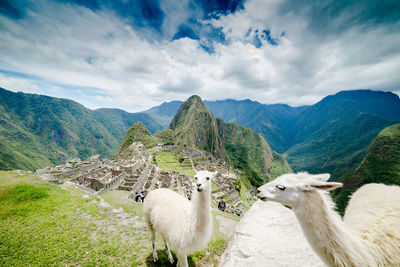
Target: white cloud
{"type": "Point", "coordinates": [101, 55]}
{"type": "Point", "coordinates": [16, 84]}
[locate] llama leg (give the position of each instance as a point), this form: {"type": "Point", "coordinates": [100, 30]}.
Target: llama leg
{"type": "Point", "coordinates": [170, 258]}
{"type": "Point", "coordinates": [182, 260]}
{"type": "Point", "coordinates": [153, 243]}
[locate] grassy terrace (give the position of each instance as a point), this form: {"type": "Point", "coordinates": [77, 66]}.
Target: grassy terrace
{"type": "Point", "coordinates": [170, 161]}
{"type": "Point", "coordinates": [46, 224]}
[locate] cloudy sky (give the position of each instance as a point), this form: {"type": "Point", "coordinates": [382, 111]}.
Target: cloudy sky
{"type": "Point", "coordinates": [136, 54]}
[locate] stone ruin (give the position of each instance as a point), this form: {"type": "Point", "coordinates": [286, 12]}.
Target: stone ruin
{"type": "Point", "coordinates": [73, 167]}
{"type": "Point", "coordinates": [99, 175]}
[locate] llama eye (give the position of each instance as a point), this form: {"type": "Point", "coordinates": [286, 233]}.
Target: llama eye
{"type": "Point", "coordinates": [195, 178]}
{"type": "Point", "coordinates": [280, 187]}
{"type": "Point", "coordinates": [208, 178]}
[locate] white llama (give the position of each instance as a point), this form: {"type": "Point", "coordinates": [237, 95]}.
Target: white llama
{"type": "Point", "coordinates": [370, 232]}
{"type": "Point", "coordinates": [186, 225]}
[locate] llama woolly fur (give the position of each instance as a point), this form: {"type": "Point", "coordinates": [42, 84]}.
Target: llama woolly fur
{"type": "Point", "coordinates": [369, 235]}
{"type": "Point", "coordinates": [186, 225]}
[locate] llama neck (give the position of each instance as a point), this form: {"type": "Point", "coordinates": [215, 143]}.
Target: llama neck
{"type": "Point", "coordinates": [201, 213]}
{"type": "Point", "coordinates": [328, 235]}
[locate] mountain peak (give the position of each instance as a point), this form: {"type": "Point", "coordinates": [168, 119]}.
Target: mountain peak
{"type": "Point", "coordinates": [195, 98]}
{"type": "Point", "coordinates": [137, 133]}
{"type": "Point", "coordinates": [195, 126]}
{"type": "Point", "coordinates": [189, 108]}
{"type": "Point", "coordinates": [194, 101]}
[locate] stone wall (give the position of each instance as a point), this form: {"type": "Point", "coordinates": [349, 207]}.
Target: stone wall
{"type": "Point", "coordinates": [79, 170]}
{"type": "Point", "coordinates": [142, 179]}
{"type": "Point", "coordinates": [114, 183]}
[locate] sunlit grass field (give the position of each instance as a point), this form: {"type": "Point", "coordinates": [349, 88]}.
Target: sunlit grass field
{"type": "Point", "coordinates": [45, 224]}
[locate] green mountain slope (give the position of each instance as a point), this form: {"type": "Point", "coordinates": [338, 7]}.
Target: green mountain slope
{"type": "Point", "coordinates": [274, 122]}
{"type": "Point", "coordinates": [334, 134]}
{"type": "Point", "coordinates": [38, 131]}
{"type": "Point", "coordinates": [195, 126]}
{"type": "Point", "coordinates": [380, 165]}
{"type": "Point", "coordinates": [136, 133]}
{"type": "Point", "coordinates": [41, 127]}
{"type": "Point", "coordinates": [248, 151]}
{"type": "Point", "coordinates": [21, 149]}
{"type": "Point", "coordinates": [336, 148]}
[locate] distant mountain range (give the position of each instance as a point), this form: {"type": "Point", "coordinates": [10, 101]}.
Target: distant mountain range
{"type": "Point", "coordinates": [332, 135]}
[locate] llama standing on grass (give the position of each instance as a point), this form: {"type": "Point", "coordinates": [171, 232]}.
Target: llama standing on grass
{"type": "Point", "coordinates": [370, 232]}
{"type": "Point", "coordinates": [186, 225]}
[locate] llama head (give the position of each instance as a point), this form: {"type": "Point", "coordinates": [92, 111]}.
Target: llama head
{"type": "Point", "coordinates": [203, 180]}
{"type": "Point", "coordinates": [289, 189]}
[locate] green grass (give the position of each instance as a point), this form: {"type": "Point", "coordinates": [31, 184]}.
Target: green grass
{"type": "Point", "coordinates": [215, 248]}
{"type": "Point", "coordinates": [119, 199]}
{"type": "Point", "coordinates": [168, 161]}
{"type": "Point", "coordinates": [45, 224]}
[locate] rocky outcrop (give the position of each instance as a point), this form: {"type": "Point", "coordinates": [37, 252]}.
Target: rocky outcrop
{"type": "Point", "coordinates": [269, 235]}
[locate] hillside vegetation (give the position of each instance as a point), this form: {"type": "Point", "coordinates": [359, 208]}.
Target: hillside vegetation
{"type": "Point", "coordinates": [273, 122]}
{"type": "Point", "coordinates": [334, 134]}
{"type": "Point", "coordinates": [331, 136]}
{"type": "Point", "coordinates": [380, 165]}
{"type": "Point", "coordinates": [38, 131]}
{"type": "Point", "coordinates": [248, 151]}
{"type": "Point", "coordinates": [194, 125]}
{"type": "Point", "coordinates": [137, 133]}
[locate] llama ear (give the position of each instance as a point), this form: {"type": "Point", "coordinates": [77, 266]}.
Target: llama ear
{"type": "Point", "coordinates": [313, 185]}
{"type": "Point", "coordinates": [323, 177]}
{"type": "Point", "coordinates": [327, 186]}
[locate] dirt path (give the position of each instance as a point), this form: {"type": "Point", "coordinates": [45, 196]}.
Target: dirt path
{"type": "Point", "coordinates": [226, 225]}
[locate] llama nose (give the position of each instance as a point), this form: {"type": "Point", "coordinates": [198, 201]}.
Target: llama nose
{"type": "Point", "coordinates": [198, 184]}
{"type": "Point", "coordinates": [258, 191]}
